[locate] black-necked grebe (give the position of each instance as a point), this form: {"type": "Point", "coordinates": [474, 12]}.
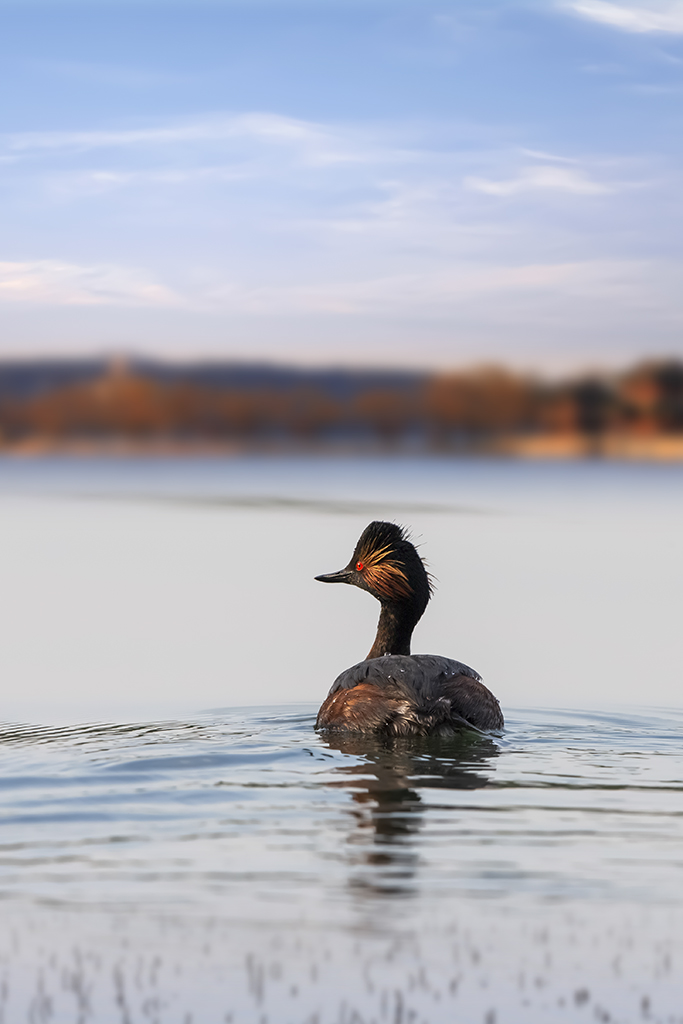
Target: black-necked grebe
{"type": "Point", "coordinates": [393, 691]}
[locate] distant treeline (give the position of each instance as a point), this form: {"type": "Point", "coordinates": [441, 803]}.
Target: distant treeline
{"type": "Point", "coordinates": [64, 400]}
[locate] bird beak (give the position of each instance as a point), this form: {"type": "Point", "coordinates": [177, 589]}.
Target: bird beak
{"type": "Point", "coordinates": [343, 576]}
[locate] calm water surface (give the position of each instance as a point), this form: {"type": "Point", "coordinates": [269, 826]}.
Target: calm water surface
{"type": "Point", "coordinates": [230, 865]}
{"type": "Point", "coordinates": [236, 866]}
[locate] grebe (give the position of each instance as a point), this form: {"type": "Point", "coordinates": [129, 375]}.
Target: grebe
{"type": "Point", "coordinates": [394, 692]}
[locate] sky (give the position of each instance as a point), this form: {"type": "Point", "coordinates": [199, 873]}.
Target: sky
{"type": "Point", "coordinates": [425, 183]}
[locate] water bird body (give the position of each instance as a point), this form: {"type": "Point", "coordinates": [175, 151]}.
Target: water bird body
{"type": "Point", "coordinates": [394, 692]}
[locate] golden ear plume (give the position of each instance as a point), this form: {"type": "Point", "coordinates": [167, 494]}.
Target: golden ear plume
{"type": "Point", "coordinates": [384, 574]}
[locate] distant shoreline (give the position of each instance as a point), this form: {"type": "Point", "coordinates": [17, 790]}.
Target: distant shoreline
{"type": "Point", "coordinates": [536, 447]}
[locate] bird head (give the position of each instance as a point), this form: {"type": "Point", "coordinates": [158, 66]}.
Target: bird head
{"type": "Point", "coordinates": [386, 564]}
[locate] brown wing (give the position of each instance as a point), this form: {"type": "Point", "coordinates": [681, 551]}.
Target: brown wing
{"type": "Point", "coordinates": [473, 701]}
{"type": "Point", "coordinates": [364, 708]}
{"type": "Point", "coordinates": [462, 702]}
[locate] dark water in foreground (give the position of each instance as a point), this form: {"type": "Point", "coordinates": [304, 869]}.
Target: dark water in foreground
{"type": "Point", "coordinates": [236, 867]}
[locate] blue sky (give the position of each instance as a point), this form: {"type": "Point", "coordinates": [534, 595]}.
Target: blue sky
{"type": "Point", "coordinates": [386, 181]}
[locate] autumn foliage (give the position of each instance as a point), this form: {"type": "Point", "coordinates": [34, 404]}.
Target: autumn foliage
{"type": "Point", "coordinates": [438, 410]}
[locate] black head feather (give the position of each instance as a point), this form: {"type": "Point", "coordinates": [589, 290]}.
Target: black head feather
{"type": "Point", "coordinates": [386, 564]}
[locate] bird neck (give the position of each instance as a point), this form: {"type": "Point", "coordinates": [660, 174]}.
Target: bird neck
{"type": "Point", "coordinates": [394, 630]}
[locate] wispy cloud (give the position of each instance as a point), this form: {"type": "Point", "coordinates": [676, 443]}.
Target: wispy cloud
{"type": "Point", "coordinates": [315, 143]}
{"type": "Point", "coordinates": [247, 146]}
{"type": "Point", "coordinates": [435, 294]}
{"type": "Point", "coordinates": [51, 282]}
{"type": "Point", "coordinates": [295, 223]}
{"type": "Point", "coordinates": [539, 154]}
{"type": "Point", "coordinates": [265, 126]}
{"type": "Point", "coordinates": [545, 178]}
{"type": "Point", "coordinates": [660, 17]}
{"type": "Point", "coordinates": [409, 292]}
{"type": "Point", "coordinates": [77, 185]}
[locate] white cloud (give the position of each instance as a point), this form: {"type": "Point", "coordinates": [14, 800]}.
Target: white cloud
{"type": "Point", "coordinates": [241, 148]}
{"type": "Point", "coordinates": [662, 17]}
{"type": "Point", "coordinates": [431, 294]}
{"type": "Point", "coordinates": [539, 154]}
{"type": "Point", "coordinates": [310, 142]}
{"type": "Point", "coordinates": [265, 126]}
{"type": "Point", "coordinates": [459, 235]}
{"type": "Point", "coordinates": [541, 178]}
{"type": "Point", "coordinates": [461, 309]}
{"type": "Point", "coordinates": [51, 282]}
{"type": "Point", "coordinates": [76, 185]}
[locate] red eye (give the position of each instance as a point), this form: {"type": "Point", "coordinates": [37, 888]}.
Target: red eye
{"type": "Point", "coordinates": [359, 566]}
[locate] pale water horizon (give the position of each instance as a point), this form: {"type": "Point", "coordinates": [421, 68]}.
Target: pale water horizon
{"type": "Point", "coordinates": [169, 585]}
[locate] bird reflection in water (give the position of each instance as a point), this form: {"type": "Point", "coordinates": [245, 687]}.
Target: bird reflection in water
{"type": "Point", "coordinates": [388, 810]}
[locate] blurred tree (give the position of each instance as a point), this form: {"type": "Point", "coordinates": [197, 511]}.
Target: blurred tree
{"type": "Point", "coordinates": [652, 397]}
{"type": "Point", "coordinates": [449, 408]}
{"type": "Point", "coordinates": [488, 400]}
{"type": "Point", "coordinates": [385, 412]}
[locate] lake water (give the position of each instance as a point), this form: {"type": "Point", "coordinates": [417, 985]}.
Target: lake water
{"type": "Point", "coordinates": [167, 855]}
